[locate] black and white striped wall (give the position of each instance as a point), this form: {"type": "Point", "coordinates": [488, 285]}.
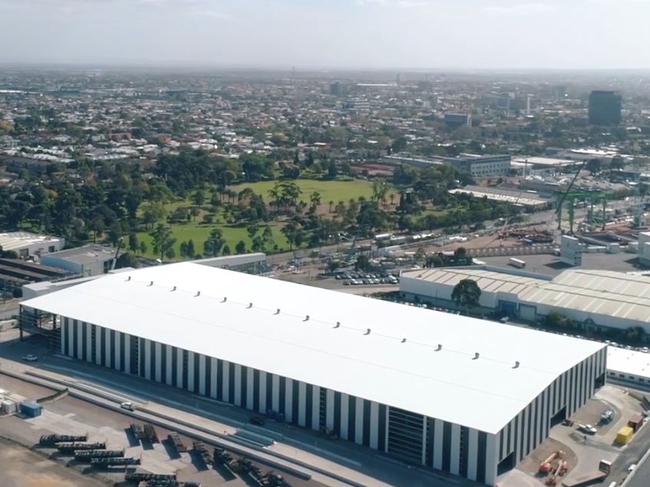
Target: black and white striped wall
{"type": "Point", "coordinates": [409, 436]}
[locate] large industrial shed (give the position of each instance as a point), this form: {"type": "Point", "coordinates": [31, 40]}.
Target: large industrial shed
{"type": "Point", "coordinates": [443, 391]}
{"type": "Point", "coordinates": [597, 298]}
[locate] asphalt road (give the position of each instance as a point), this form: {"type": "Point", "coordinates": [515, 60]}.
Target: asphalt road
{"type": "Point", "coordinates": [641, 476]}
{"type": "Point", "coordinates": [631, 455]}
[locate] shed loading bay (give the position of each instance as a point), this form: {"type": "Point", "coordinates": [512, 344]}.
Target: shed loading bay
{"type": "Point", "coordinates": [447, 392]}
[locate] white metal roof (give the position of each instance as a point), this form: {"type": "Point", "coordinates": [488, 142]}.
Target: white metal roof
{"type": "Point", "coordinates": [607, 293]}
{"type": "Point", "coordinates": [599, 292]}
{"type": "Point", "coordinates": [628, 362]}
{"type": "Point", "coordinates": [489, 281]}
{"type": "Point", "coordinates": [19, 240]}
{"type": "Point", "coordinates": [450, 385]}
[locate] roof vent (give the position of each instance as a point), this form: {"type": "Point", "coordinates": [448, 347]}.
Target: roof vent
{"type": "Point", "coordinates": [174, 288]}
{"type": "Point", "coordinates": [439, 347]}
{"type": "Point", "coordinates": [128, 278]}
{"type": "Point", "coordinates": [403, 340]}
{"type": "Point", "coordinates": [250, 305]}
{"type": "Point", "coordinates": [338, 324]}
{"type": "Point", "coordinates": [277, 311]}
{"type": "Point", "coordinates": [151, 283]}
{"type": "Point", "coordinates": [516, 365]}
{"type": "Point", "coordinates": [306, 318]}
{"type": "Point", "coordinates": [476, 356]}
{"type": "Point", "coordinates": [367, 332]}
{"type": "Point", "coordinates": [198, 293]}
{"type": "Point", "coordinates": [225, 298]}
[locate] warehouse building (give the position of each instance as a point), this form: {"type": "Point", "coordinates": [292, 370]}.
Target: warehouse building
{"type": "Point", "coordinates": [628, 367]}
{"type": "Point", "coordinates": [26, 244]}
{"type": "Point", "coordinates": [447, 392]}
{"type": "Point", "coordinates": [598, 299]}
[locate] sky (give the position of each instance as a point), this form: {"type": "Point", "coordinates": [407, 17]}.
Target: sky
{"type": "Point", "coordinates": [345, 34]}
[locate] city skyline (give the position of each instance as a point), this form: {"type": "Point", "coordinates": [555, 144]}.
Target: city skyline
{"type": "Point", "coordinates": [364, 34]}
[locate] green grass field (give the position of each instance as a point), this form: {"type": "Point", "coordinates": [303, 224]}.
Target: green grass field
{"type": "Point", "coordinates": [329, 190]}
{"type": "Point", "coordinates": [199, 234]}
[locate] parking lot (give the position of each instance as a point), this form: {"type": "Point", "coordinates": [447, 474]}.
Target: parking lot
{"type": "Point", "coordinates": [584, 450]}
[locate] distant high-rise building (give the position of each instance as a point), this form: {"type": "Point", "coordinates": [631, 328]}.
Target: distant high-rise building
{"type": "Point", "coordinates": [336, 89]}
{"type": "Point", "coordinates": [457, 120]}
{"type": "Point", "coordinates": [604, 108]}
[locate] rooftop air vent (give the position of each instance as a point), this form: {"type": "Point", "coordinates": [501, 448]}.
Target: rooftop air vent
{"type": "Point", "coordinates": [151, 283]}
{"type": "Point", "coordinates": [225, 298]}
{"type": "Point", "coordinates": [174, 288]}
{"type": "Point", "coordinates": [128, 278]}
{"type": "Point", "coordinates": [338, 324]}
{"type": "Point", "coordinates": [277, 311]}
{"type": "Point", "coordinates": [516, 365]}
{"type": "Point", "coordinates": [439, 347]}
{"type": "Point", "coordinates": [367, 332]}
{"type": "Point", "coordinates": [403, 340]}
{"type": "Point", "coordinates": [250, 305]}
{"type": "Point", "coordinates": [198, 293]}
{"type": "Point", "coordinates": [306, 318]}
{"type": "Point", "coordinates": [476, 356]}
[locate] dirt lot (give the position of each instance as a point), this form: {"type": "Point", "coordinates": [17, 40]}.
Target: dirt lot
{"type": "Point", "coordinates": [531, 463]}
{"type": "Point", "coordinates": [24, 468]}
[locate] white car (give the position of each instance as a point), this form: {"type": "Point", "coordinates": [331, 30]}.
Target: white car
{"type": "Point", "coordinates": [30, 358]}
{"type": "Point", "coordinates": [631, 468]}
{"type": "Point", "coordinates": [587, 428]}
{"type": "Point", "coordinates": [128, 405]}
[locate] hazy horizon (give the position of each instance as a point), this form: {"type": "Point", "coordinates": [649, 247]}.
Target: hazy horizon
{"type": "Point", "coordinates": [411, 35]}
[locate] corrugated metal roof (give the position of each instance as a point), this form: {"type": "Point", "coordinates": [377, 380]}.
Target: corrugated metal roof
{"type": "Point", "coordinates": [303, 342]}
{"type": "Point", "coordinates": [599, 292]}
{"type": "Point", "coordinates": [609, 293]}
{"type": "Point", "coordinates": [487, 280]}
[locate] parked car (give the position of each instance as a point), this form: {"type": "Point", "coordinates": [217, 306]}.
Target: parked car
{"type": "Point", "coordinates": [30, 358]}
{"type": "Point", "coordinates": [128, 405]}
{"type": "Point", "coordinates": [587, 428]}
{"type": "Point", "coordinates": [607, 416]}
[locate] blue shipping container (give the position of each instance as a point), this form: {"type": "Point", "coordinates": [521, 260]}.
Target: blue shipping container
{"type": "Point", "coordinates": [31, 409]}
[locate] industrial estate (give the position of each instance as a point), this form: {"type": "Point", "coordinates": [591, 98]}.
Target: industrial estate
{"type": "Point", "coordinates": [288, 279]}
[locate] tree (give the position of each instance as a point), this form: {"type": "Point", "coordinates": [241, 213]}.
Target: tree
{"type": "Point", "coordinates": [617, 163]}
{"type": "Point", "coordinates": [134, 243]}
{"type": "Point", "coordinates": [143, 247]}
{"type": "Point", "coordinates": [214, 243]}
{"type": "Point", "coordinates": [315, 200]}
{"type": "Point", "coordinates": [331, 170]}
{"type": "Point", "coordinates": [240, 248]}
{"type": "Point", "coordinates": [162, 240]}
{"type": "Point", "coordinates": [594, 165]}
{"type": "Point", "coordinates": [294, 233]}
{"type": "Point", "coordinates": [153, 212]}
{"type": "Point", "coordinates": [226, 250]}
{"type": "Point", "coordinates": [466, 293]}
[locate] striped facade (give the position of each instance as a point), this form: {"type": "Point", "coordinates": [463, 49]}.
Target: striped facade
{"type": "Point", "coordinates": [411, 437]}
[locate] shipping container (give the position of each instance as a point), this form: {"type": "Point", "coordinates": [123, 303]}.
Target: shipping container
{"type": "Point", "coordinates": [635, 422]}
{"type": "Point", "coordinates": [31, 409]}
{"type": "Point", "coordinates": [624, 435]}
